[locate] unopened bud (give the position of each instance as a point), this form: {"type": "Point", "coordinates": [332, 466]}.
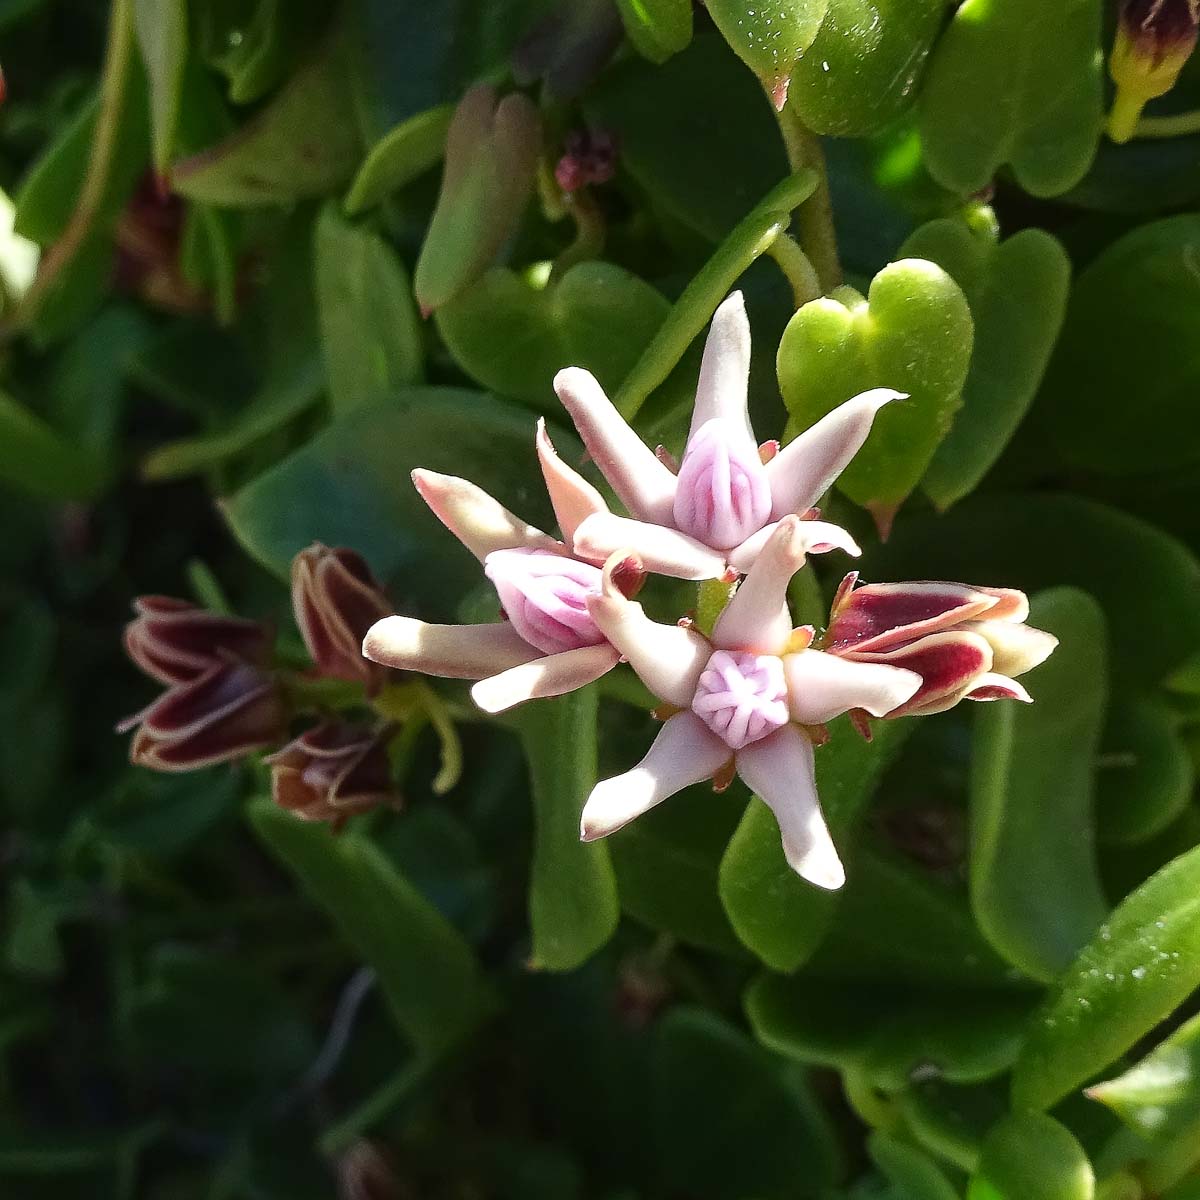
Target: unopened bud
{"type": "Point", "coordinates": [544, 595]}
{"type": "Point", "coordinates": [1154, 40]}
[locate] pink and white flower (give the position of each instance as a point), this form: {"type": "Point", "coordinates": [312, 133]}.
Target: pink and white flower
{"type": "Point", "coordinates": [713, 517]}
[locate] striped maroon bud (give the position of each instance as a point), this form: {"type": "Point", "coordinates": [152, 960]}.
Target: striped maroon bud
{"type": "Point", "coordinates": [1154, 40]}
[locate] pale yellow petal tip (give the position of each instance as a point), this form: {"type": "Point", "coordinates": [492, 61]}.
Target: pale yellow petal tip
{"type": "Point", "coordinates": [827, 874]}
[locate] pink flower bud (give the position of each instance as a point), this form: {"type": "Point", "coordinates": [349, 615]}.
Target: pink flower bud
{"type": "Point", "coordinates": [723, 494]}
{"type": "Point", "coordinates": [544, 595]}
{"type": "Point", "coordinates": [742, 697]}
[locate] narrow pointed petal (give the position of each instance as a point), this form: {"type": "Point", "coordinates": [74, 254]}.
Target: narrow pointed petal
{"type": "Point", "coordinates": [663, 551]}
{"type": "Point", "coordinates": [684, 752]}
{"type": "Point", "coordinates": [757, 618]}
{"type": "Point", "coordinates": [452, 651]}
{"type": "Point", "coordinates": [804, 469]}
{"type": "Point", "coordinates": [949, 663]}
{"type": "Point", "coordinates": [1016, 648]}
{"type": "Point", "coordinates": [644, 485]}
{"type": "Point", "coordinates": [779, 770]}
{"type": "Point", "coordinates": [573, 498]}
{"type": "Point", "coordinates": [821, 686]}
{"type": "Point", "coordinates": [481, 523]}
{"type": "Point", "coordinates": [554, 675]}
{"type": "Point", "coordinates": [818, 537]}
{"type": "Point", "coordinates": [667, 658]}
{"type": "Point", "coordinates": [725, 369]}
{"type": "Point", "coordinates": [994, 686]}
{"type": "Point", "coordinates": [881, 615]}
{"type": "Point", "coordinates": [1011, 605]}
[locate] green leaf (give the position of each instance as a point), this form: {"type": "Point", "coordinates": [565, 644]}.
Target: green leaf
{"type": "Point", "coordinates": [573, 906]}
{"type": "Point", "coordinates": [1143, 962]}
{"type": "Point", "coordinates": [1029, 1156]}
{"type": "Point", "coordinates": [1040, 541]}
{"type": "Point", "coordinates": [1035, 885]}
{"type": "Point", "coordinates": [1146, 777]}
{"type": "Point", "coordinates": [162, 34]}
{"type": "Point", "coordinates": [513, 337]}
{"type": "Point", "coordinates": [1121, 387]}
{"type": "Point", "coordinates": [1017, 293]}
{"type": "Point", "coordinates": [1159, 1097]}
{"type": "Point", "coordinates": [657, 28]}
{"type": "Point", "coordinates": [400, 156]}
{"type": "Point", "coordinates": [769, 36]}
{"type": "Point", "coordinates": [965, 1037]}
{"type": "Point", "coordinates": [433, 985]}
{"type": "Point", "coordinates": [694, 133]}
{"type": "Point", "coordinates": [303, 143]}
{"type": "Point", "coordinates": [772, 910]}
{"type": "Point", "coordinates": [913, 334]}
{"type": "Point", "coordinates": [1014, 82]}
{"type": "Point", "coordinates": [370, 332]}
{"type": "Point", "coordinates": [864, 67]}
{"type": "Point", "coordinates": [916, 1174]}
{"type": "Point", "coordinates": [34, 458]}
{"type": "Point", "coordinates": [350, 486]}
{"type": "Point", "coordinates": [731, 1120]}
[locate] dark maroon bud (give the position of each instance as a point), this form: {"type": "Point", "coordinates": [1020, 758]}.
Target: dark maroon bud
{"type": "Point", "coordinates": [173, 641]}
{"type": "Point", "coordinates": [333, 771]}
{"type": "Point", "coordinates": [366, 1173]}
{"type": "Point", "coordinates": [1154, 40]}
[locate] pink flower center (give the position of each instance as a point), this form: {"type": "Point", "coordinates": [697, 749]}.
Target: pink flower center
{"type": "Point", "coordinates": [545, 596]}
{"type": "Point", "coordinates": [742, 697]}
{"type": "Point", "coordinates": [723, 495]}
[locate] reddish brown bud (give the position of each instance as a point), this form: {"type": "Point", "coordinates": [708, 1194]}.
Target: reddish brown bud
{"type": "Point", "coordinates": [366, 1173]}
{"type": "Point", "coordinates": [173, 641]}
{"type": "Point", "coordinates": [336, 600]}
{"type": "Point", "coordinates": [332, 772]}
{"type": "Point", "coordinates": [223, 714]}
{"type": "Point", "coordinates": [1154, 40]}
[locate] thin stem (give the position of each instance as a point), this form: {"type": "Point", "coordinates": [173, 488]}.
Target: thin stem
{"type": "Point", "coordinates": [589, 237]}
{"type": "Point", "coordinates": [1176, 125]}
{"type": "Point", "coordinates": [797, 269]}
{"type": "Point", "coordinates": [113, 86]}
{"type": "Point", "coordinates": [814, 219]}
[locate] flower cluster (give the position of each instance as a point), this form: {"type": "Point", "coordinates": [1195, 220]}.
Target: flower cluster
{"type": "Point", "coordinates": [753, 696]}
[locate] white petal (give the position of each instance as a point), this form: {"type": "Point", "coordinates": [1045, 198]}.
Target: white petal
{"type": "Point", "coordinates": [804, 469]}
{"type": "Point", "coordinates": [481, 523]}
{"type": "Point", "coordinates": [668, 659]}
{"type": "Point", "coordinates": [684, 752]}
{"type": "Point", "coordinates": [573, 498]}
{"type": "Point", "coordinates": [452, 651]}
{"type": "Point", "coordinates": [821, 686]}
{"type": "Point", "coordinates": [664, 551]}
{"type": "Point", "coordinates": [757, 618]}
{"type": "Point", "coordinates": [725, 369]}
{"type": "Point", "coordinates": [779, 770]}
{"type": "Point", "coordinates": [553, 675]}
{"type": "Point", "coordinates": [1016, 648]}
{"type": "Point", "coordinates": [994, 686]}
{"type": "Point", "coordinates": [819, 537]}
{"type": "Point", "coordinates": [644, 485]}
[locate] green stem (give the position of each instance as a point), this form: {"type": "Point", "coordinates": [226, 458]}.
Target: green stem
{"type": "Point", "coordinates": [588, 243]}
{"type": "Point", "coordinates": [814, 219]}
{"type": "Point", "coordinates": [1176, 125]}
{"type": "Point", "coordinates": [797, 269]}
{"type": "Point", "coordinates": [1123, 117]}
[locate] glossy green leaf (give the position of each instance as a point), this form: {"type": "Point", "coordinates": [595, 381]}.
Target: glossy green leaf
{"type": "Point", "coordinates": [694, 133]}
{"type": "Point", "coordinates": [36, 459]}
{"type": "Point", "coordinates": [951, 1120]}
{"type": "Point", "coordinates": [400, 156]}
{"type": "Point", "coordinates": [1042, 541]}
{"type": "Point", "coordinates": [1159, 1097]}
{"type": "Point", "coordinates": [1014, 82]}
{"type": "Point", "coordinates": [864, 67]}
{"type": "Point", "coordinates": [772, 910]}
{"type": "Point", "coordinates": [1146, 777]}
{"type": "Point", "coordinates": [912, 333]}
{"type": "Point", "coordinates": [1035, 885]}
{"type": "Point", "coordinates": [1142, 963]}
{"type": "Point", "coordinates": [370, 332]}
{"type": "Point", "coordinates": [1120, 392]}
{"type": "Point", "coordinates": [1029, 1156]}
{"type": "Point", "coordinates": [657, 28]}
{"type": "Point", "coordinates": [514, 337]}
{"type": "Point", "coordinates": [433, 984]}
{"type": "Point", "coordinates": [573, 905]}
{"type": "Point", "coordinates": [162, 34]}
{"type": "Point", "coordinates": [769, 36]}
{"type": "Point", "coordinates": [732, 1121]}
{"type": "Point", "coordinates": [912, 1170]}
{"type": "Point", "coordinates": [1017, 293]}
{"type": "Point", "coordinates": [964, 1037]}
{"type": "Point", "coordinates": [350, 486]}
{"type": "Point", "coordinates": [303, 143]}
